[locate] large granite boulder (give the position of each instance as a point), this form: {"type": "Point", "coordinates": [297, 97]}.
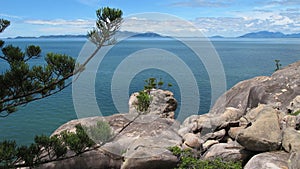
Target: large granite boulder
{"type": "Point", "coordinates": [162, 103]}
{"type": "Point", "coordinates": [269, 160]}
{"type": "Point", "coordinates": [294, 105]}
{"type": "Point", "coordinates": [227, 152]}
{"type": "Point", "coordinates": [208, 123]}
{"type": "Point", "coordinates": [278, 90]}
{"type": "Point", "coordinates": [291, 140]}
{"type": "Point", "coordinates": [262, 132]}
{"type": "Point", "coordinates": [294, 161]}
{"type": "Point", "coordinates": [143, 143]}
{"type": "Point", "coordinates": [94, 159]}
{"type": "Point", "coordinates": [193, 141]}
{"type": "Point", "coordinates": [157, 161]}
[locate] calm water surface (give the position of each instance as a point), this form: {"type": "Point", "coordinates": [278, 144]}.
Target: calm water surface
{"type": "Point", "coordinates": [242, 59]}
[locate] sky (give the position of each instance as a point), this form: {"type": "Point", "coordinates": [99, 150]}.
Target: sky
{"type": "Point", "coordinates": [229, 18]}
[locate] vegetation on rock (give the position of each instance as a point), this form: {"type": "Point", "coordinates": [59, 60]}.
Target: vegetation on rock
{"type": "Point", "coordinates": [144, 98]}
{"type": "Point", "coordinates": [101, 132]}
{"type": "Point", "coordinates": [296, 113]}
{"type": "Point", "coordinates": [277, 64]}
{"type": "Point", "coordinates": [188, 160]}
{"type": "Point", "coordinates": [46, 149]}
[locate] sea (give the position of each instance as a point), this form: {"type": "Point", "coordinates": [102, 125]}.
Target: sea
{"type": "Point", "coordinates": [239, 59]}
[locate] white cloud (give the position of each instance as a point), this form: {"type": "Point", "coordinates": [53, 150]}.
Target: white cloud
{"type": "Point", "coordinates": [89, 2]}
{"type": "Point", "coordinates": [8, 16]}
{"type": "Point", "coordinates": [239, 24]}
{"type": "Point", "coordinates": [283, 2]}
{"type": "Point", "coordinates": [57, 22]}
{"type": "Point", "coordinates": [249, 25]}
{"type": "Point", "coordinates": [202, 3]}
{"type": "Point", "coordinates": [168, 27]}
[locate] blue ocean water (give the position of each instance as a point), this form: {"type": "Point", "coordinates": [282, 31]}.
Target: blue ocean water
{"type": "Point", "coordinates": [242, 59]}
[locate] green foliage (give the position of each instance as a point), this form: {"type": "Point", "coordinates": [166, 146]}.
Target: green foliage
{"type": "Point", "coordinates": [53, 148]}
{"type": "Point", "coordinates": [21, 83]}
{"type": "Point", "coordinates": [7, 153]}
{"type": "Point", "coordinates": [100, 132]}
{"type": "Point", "coordinates": [277, 64]}
{"type": "Point", "coordinates": [30, 154]}
{"type": "Point", "coordinates": [152, 83]}
{"type": "Point", "coordinates": [187, 160]}
{"type": "Point", "coordinates": [58, 147]}
{"type": "Point", "coordinates": [3, 25]}
{"type": "Point", "coordinates": [78, 141]}
{"type": "Point", "coordinates": [144, 100]}
{"type": "Point", "coordinates": [296, 113]}
{"type": "Point", "coordinates": [52, 145]}
{"type": "Point", "coordinates": [108, 23]}
{"type": "Point", "coordinates": [160, 83]}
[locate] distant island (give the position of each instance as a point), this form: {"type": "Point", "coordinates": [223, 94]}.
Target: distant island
{"type": "Point", "coordinates": [217, 36]}
{"type": "Point", "coordinates": [267, 34]}
{"type": "Point", "coordinates": [260, 34]}
{"type": "Point", "coordinates": [119, 34]}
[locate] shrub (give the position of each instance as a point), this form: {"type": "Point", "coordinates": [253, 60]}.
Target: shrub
{"type": "Point", "coordinates": [100, 132]}
{"type": "Point", "coordinates": [151, 83]}
{"type": "Point", "coordinates": [78, 141]}
{"type": "Point", "coordinates": [52, 145]}
{"type": "Point", "coordinates": [187, 160]}
{"type": "Point", "coordinates": [144, 100]}
{"type": "Point", "coordinates": [30, 154]}
{"type": "Point", "coordinates": [58, 147]}
{"type": "Point", "coordinates": [8, 153]}
{"type": "Point", "coordinates": [296, 113]}
{"type": "Point", "coordinates": [277, 64]}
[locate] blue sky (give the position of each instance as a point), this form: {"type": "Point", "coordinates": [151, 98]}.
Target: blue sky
{"type": "Point", "coordinates": [212, 17]}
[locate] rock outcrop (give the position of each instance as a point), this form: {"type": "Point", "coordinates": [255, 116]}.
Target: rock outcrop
{"type": "Point", "coordinates": [255, 122]}
{"type": "Point", "coordinates": [142, 144]}
{"type": "Point", "coordinates": [269, 160]}
{"type": "Point", "coordinates": [279, 90]}
{"type": "Point", "coordinates": [262, 131]}
{"type": "Point", "coordinates": [227, 152]}
{"type": "Point", "coordinates": [94, 159]}
{"type": "Point", "coordinates": [162, 103]}
{"type": "Point", "coordinates": [259, 115]}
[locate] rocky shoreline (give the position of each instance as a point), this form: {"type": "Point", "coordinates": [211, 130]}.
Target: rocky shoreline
{"type": "Point", "coordinates": [255, 122]}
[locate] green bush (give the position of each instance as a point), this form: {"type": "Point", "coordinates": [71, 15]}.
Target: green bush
{"type": "Point", "coordinates": [30, 154]}
{"type": "Point", "coordinates": [52, 145]}
{"type": "Point", "coordinates": [100, 132]}
{"type": "Point", "coordinates": [296, 113]}
{"type": "Point", "coordinates": [8, 153]}
{"type": "Point", "coordinates": [152, 83]}
{"type": "Point", "coordinates": [187, 160]}
{"type": "Point", "coordinates": [144, 100]}
{"type": "Point", "coordinates": [277, 64]}
{"type": "Point", "coordinates": [78, 141]}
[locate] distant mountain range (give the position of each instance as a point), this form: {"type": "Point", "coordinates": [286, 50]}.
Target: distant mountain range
{"type": "Point", "coordinates": [118, 34]}
{"type": "Point", "coordinates": [260, 34]}
{"type": "Point", "coordinates": [267, 34]}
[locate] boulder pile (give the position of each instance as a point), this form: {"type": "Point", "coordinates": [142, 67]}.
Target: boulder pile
{"type": "Point", "coordinates": [257, 122]}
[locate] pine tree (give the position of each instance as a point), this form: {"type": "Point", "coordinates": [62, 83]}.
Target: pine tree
{"type": "Point", "coordinates": [21, 83]}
